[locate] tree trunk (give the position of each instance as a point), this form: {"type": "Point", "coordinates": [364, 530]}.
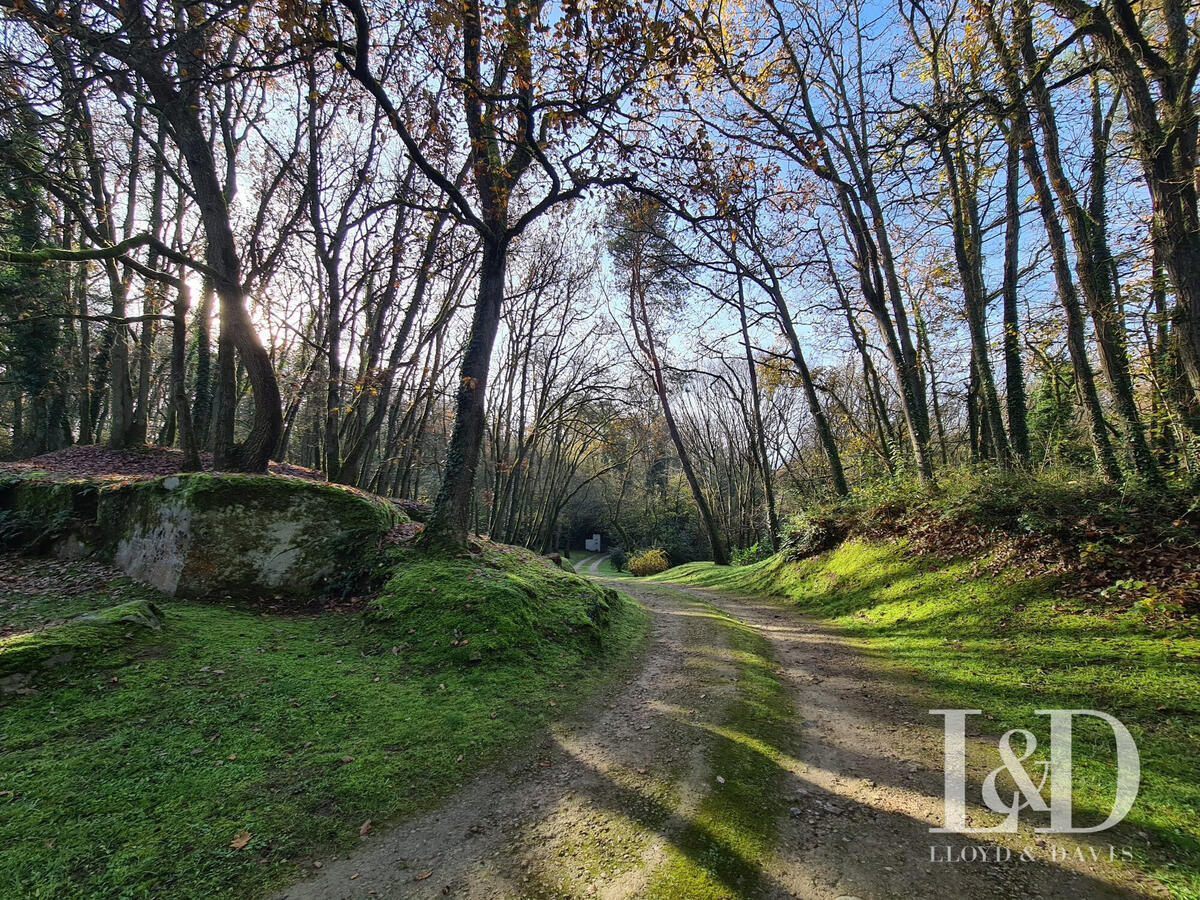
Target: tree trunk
{"type": "Point", "coordinates": [120, 388]}
{"type": "Point", "coordinates": [236, 326]}
{"type": "Point", "coordinates": [1014, 376]}
{"type": "Point", "coordinates": [883, 423]}
{"type": "Point", "coordinates": [1068, 295]}
{"type": "Point", "coordinates": [967, 240]}
{"type": "Point", "coordinates": [179, 398]}
{"type": "Point", "coordinates": [934, 398]}
{"type": "Point", "coordinates": [640, 320]}
{"type": "Point", "coordinates": [829, 447]}
{"type": "Point", "coordinates": [973, 437]}
{"type": "Point", "coordinates": [824, 433]}
{"type": "Point", "coordinates": [153, 304]}
{"type": "Point", "coordinates": [1092, 254]}
{"type": "Point", "coordinates": [224, 402]}
{"type": "Point", "coordinates": [363, 430]}
{"type": "Point", "coordinates": [449, 522]}
{"type": "Point", "coordinates": [1164, 134]}
{"type": "Point", "coordinates": [83, 374]}
{"type": "Point", "coordinates": [911, 387]}
{"type": "Point", "coordinates": [759, 436]}
{"type": "Point", "coordinates": [202, 403]}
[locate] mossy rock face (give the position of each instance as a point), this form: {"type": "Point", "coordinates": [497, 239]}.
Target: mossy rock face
{"type": "Point", "coordinates": [202, 535]}
{"type": "Point", "coordinates": [242, 535]}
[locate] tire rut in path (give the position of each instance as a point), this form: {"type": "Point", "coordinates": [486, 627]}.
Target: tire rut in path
{"type": "Point", "coordinates": [865, 783]}
{"type": "Point", "coordinates": [623, 778]}
{"type": "Point", "coordinates": [592, 808]}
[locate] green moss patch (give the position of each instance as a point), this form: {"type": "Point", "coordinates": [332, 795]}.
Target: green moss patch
{"type": "Point", "coordinates": [501, 605]}
{"type": "Point", "coordinates": [105, 629]}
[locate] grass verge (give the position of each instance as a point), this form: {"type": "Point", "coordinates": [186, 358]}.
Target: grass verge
{"type": "Point", "coordinates": [1009, 645]}
{"type": "Point", "coordinates": [608, 570]}
{"type": "Point", "coordinates": [216, 756]}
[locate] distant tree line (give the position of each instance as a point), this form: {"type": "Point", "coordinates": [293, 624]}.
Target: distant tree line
{"type": "Point", "coordinates": [669, 270]}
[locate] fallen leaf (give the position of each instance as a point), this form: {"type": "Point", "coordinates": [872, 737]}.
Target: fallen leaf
{"type": "Point", "coordinates": [240, 840]}
{"type": "Point", "coordinates": [365, 827]}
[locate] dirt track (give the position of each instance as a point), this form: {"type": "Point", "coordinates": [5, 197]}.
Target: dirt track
{"type": "Point", "coordinates": [593, 808]}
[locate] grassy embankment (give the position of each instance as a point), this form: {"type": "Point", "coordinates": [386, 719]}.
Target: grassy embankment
{"type": "Point", "coordinates": [218, 755]}
{"type": "Point", "coordinates": [1008, 640]}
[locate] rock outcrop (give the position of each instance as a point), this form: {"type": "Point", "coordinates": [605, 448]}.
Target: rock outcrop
{"type": "Point", "coordinates": [202, 535]}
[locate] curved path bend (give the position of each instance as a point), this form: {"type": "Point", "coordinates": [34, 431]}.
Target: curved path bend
{"type": "Point", "coordinates": [601, 805]}
{"type": "Point", "coordinates": [590, 565]}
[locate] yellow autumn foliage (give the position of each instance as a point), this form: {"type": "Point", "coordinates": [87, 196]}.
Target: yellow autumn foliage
{"type": "Point", "coordinates": [648, 562]}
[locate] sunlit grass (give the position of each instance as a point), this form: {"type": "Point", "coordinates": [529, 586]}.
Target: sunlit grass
{"type": "Point", "coordinates": [129, 771]}
{"type": "Point", "coordinates": [1010, 647]}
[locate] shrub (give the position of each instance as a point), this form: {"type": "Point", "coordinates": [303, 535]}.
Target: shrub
{"type": "Point", "coordinates": [648, 562]}
{"type": "Point", "coordinates": [746, 556]}
{"type": "Point", "coordinates": [619, 558]}
{"type": "Point", "coordinates": [806, 535]}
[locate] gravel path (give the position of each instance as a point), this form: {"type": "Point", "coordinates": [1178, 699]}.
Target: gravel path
{"type": "Point", "coordinates": [591, 808]}
{"type": "Point", "coordinates": [590, 565]}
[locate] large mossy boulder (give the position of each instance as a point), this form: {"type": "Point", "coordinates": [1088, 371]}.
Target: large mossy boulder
{"type": "Point", "coordinates": [201, 535]}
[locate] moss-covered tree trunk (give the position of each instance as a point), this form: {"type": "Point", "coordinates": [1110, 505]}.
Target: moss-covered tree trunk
{"type": "Point", "coordinates": [1068, 292]}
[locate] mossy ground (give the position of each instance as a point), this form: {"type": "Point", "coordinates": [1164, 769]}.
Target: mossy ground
{"type": "Point", "coordinates": [129, 771]}
{"type": "Point", "coordinates": [608, 570]}
{"type": "Point", "coordinates": [605, 568]}
{"type": "Point", "coordinates": [1009, 645]}
{"type": "Point", "coordinates": [503, 604]}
